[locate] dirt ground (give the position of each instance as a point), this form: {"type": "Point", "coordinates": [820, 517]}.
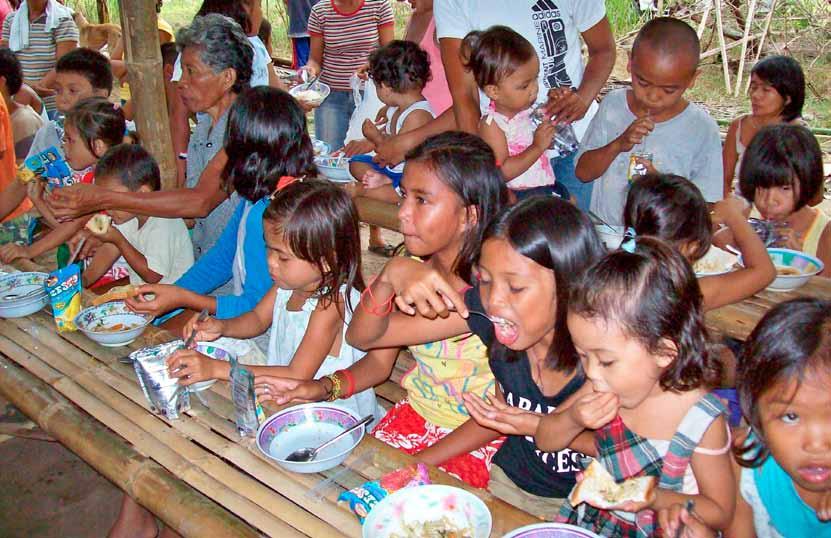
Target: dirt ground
{"type": "Point", "coordinates": [47, 492]}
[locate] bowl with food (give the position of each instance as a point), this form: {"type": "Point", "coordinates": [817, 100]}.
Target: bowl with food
{"type": "Point", "coordinates": [311, 93]}
{"type": "Point", "coordinates": [309, 426]}
{"type": "Point", "coordinates": [431, 510]}
{"type": "Point", "coordinates": [22, 294]}
{"type": "Point", "coordinates": [550, 530]}
{"type": "Point", "coordinates": [335, 169]}
{"type": "Point", "coordinates": [320, 147]}
{"type": "Point", "coordinates": [793, 268]}
{"type": "Point", "coordinates": [112, 324]}
{"type": "Point", "coordinates": [715, 262]}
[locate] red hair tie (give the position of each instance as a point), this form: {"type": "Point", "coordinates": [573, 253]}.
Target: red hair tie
{"type": "Point", "coordinates": [284, 182]}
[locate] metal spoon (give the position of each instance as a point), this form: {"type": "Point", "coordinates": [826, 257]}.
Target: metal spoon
{"type": "Point", "coordinates": [17, 296]}
{"type": "Point", "coordinates": [308, 454]}
{"type": "Point", "coordinates": [203, 315]}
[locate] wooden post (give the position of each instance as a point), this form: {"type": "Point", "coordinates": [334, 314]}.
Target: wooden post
{"type": "Point", "coordinates": [103, 12]}
{"type": "Point", "coordinates": [725, 60]}
{"type": "Point", "coordinates": [144, 66]}
{"type": "Point", "coordinates": [748, 25]}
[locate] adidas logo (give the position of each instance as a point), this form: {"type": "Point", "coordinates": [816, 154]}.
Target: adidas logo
{"type": "Point", "coordinates": [544, 5]}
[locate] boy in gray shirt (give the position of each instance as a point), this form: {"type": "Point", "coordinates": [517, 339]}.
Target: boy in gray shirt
{"type": "Point", "coordinates": [652, 118]}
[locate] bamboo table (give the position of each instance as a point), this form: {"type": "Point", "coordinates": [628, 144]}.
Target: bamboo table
{"type": "Point", "coordinates": [738, 320]}
{"type": "Point", "coordinates": [194, 473]}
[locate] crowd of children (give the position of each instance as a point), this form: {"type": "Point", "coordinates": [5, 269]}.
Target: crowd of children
{"type": "Point", "coordinates": [534, 346]}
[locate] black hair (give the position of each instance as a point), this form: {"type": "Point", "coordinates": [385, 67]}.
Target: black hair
{"type": "Point", "coordinates": [652, 293]}
{"type": "Point", "coordinates": [782, 155]}
{"type": "Point", "coordinates": [495, 53]}
{"type": "Point", "coordinates": [558, 236]}
{"type": "Point", "coordinates": [786, 76]}
{"type": "Point", "coordinates": [90, 64]}
{"type": "Point", "coordinates": [233, 9]}
{"type": "Point", "coordinates": [169, 53]}
{"type": "Point", "coordinates": [96, 118]}
{"type": "Point", "coordinates": [130, 164]}
{"type": "Point", "coordinates": [790, 342]}
{"type": "Point", "coordinates": [266, 139]}
{"type": "Point", "coordinates": [467, 165]}
{"type": "Point", "coordinates": [671, 208]}
{"type": "Point", "coordinates": [319, 222]}
{"type": "Point", "coordinates": [11, 70]}
{"type": "Point", "coordinates": [400, 65]}
{"type": "Point", "coordinates": [669, 36]}
{"type": "Point", "coordinates": [265, 32]}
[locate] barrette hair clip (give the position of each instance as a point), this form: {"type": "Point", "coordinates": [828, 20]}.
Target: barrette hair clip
{"type": "Point", "coordinates": [629, 240]}
{"type": "Point", "coordinates": [284, 182]}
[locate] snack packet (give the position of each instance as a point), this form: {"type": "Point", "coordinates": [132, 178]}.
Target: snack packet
{"type": "Point", "coordinates": [363, 498]}
{"type": "Point", "coordinates": [248, 413]}
{"type": "Point", "coordinates": [166, 396]}
{"type": "Point", "coordinates": [49, 165]}
{"type": "Point", "coordinates": [64, 289]}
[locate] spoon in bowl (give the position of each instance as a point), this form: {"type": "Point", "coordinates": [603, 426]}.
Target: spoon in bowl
{"type": "Point", "coordinates": [302, 455]}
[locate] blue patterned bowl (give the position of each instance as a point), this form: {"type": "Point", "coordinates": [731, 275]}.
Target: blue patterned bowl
{"type": "Point", "coordinates": [793, 268]}
{"type": "Point", "coordinates": [15, 301]}
{"type": "Point", "coordinates": [550, 530]}
{"type": "Point", "coordinates": [309, 425]}
{"type": "Point", "coordinates": [335, 169]}
{"type": "Point", "coordinates": [111, 324]}
{"type": "Point", "coordinates": [410, 509]}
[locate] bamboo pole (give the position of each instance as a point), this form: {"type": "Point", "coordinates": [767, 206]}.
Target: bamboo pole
{"type": "Point", "coordinates": [148, 439]}
{"type": "Point", "coordinates": [124, 397]}
{"type": "Point", "coordinates": [144, 66]}
{"type": "Point", "coordinates": [192, 514]}
{"type": "Point", "coordinates": [103, 12]}
{"type": "Point", "coordinates": [724, 58]}
{"type": "Point", "coordinates": [765, 31]}
{"type": "Point", "coordinates": [734, 44]}
{"type": "Point", "coordinates": [748, 25]}
{"type": "Point", "coordinates": [704, 16]}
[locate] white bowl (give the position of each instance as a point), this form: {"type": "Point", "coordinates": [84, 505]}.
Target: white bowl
{"type": "Point", "coordinates": [611, 236]}
{"type": "Point", "coordinates": [417, 505]}
{"type": "Point", "coordinates": [803, 265]}
{"type": "Point", "coordinates": [14, 289]}
{"type": "Point", "coordinates": [329, 167]}
{"type": "Point", "coordinates": [311, 94]}
{"type": "Point", "coordinates": [715, 262]}
{"type": "Point", "coordinates": [550, 530]}
{"type": "Point", "coordinates": [307, 426]}
{"type": "Point", "coordinates": [215, 352]}
{"type": "Point", "coordinates": [320, 147]}
{"type": "Point", "coordinates": [111, 324]}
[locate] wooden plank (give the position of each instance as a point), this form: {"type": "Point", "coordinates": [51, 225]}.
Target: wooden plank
{"type": "Point", "coordinates": [147, 482]}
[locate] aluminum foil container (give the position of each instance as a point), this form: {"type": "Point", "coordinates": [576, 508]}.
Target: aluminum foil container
{"type": "Point", "coordinates": [166, 396]}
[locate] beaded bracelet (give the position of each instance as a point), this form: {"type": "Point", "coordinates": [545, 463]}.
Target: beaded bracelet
{"type": "Point", "coordinates": [335, 393]}
{"type": "Point", "coordinates": [376, 309]}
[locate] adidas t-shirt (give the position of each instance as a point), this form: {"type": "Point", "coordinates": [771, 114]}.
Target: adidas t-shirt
{"type": "Point", "coordinates": [545, 474]}
{"type": "Point", "coordinates": [552, 26]}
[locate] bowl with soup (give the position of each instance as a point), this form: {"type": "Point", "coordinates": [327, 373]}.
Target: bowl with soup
{"type": "Point", "coordinates": [793, 268]}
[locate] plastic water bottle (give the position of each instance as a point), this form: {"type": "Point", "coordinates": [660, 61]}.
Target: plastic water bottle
{"type": "Point", "coordinates": [565, 139]}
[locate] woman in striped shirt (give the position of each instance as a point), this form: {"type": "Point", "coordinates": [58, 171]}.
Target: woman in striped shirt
{"type": "Point", "coordinates": [343, 33]}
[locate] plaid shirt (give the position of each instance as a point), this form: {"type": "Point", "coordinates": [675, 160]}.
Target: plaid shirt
{"type": "Point", "coordinates": [626, 454]}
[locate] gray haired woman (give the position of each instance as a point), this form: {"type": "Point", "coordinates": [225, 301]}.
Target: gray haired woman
{"type": "Point", "coordinates": [216, 66]}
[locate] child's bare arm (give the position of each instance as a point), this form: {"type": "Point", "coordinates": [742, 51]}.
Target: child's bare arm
{"type": "Point", "coordinates": [132, 256]}
{"type": "Point", "coordinates": [742, 524]}
{"type": "Point", "coordinates": [584, 410]}
{"type": "Point", "coordinates": [371, 132]}
{"type": "Point", "coordinates": [11, 197]}
{"type": "Point", "coordinates": [104, 258]}
{"type": "Point", "coordinates": [513, 166]}
{"type": "Point", "coordinates": [254, 322]}
{"type": "Point", "coordinates": [57, 237]}
{"type": "Point", "coordinates": [824, 250]}
{"type": "Point", "coordinates": [758, 270]}
{"type": "Point", "coordinates": [415, 119]}
{"type": "Point", "coordinates": [594, 163]}
{"type": "Point", "coordinates": [729, 156]}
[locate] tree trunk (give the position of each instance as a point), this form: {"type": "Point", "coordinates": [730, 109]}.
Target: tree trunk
{"type": "Point", "coordinates": [144, 66]}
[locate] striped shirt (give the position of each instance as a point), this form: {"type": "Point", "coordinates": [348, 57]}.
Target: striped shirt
{"type": "Point", "coordinates": [348, 38]}
{"type": "Point", "coordinates": [39, 57]}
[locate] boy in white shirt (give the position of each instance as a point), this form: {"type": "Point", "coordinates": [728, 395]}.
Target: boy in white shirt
{"type": "Point", "coordinates": [157, 250]}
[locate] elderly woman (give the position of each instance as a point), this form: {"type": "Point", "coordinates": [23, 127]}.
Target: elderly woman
{"type": "Point", "coordinates": [217, 59]}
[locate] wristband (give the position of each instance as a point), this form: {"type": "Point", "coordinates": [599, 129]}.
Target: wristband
{"type": "Point", "coordinates": [375, 309]}
{"type": "Point", "coordinates": [336, 388]}
{"type": "Point", "coordinates": [350, 383]}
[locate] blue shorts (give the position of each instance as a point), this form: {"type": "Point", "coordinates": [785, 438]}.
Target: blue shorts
{"type": "Point", "coordinates": [300, 51]}
{"type": "Point", "coordinates": [557, 189]}
{"type": "Point", "coordinates": [393, 175]}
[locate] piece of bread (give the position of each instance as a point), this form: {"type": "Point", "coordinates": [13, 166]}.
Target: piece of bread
{"type": "Point", "coordinates": [599, 489]}
{"type": "Point", "coordinates": [118, 293]}
{"type": "Point", "coordinates": [25, 175]}
{"type": "Point", "coordinates": [99, 223]}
